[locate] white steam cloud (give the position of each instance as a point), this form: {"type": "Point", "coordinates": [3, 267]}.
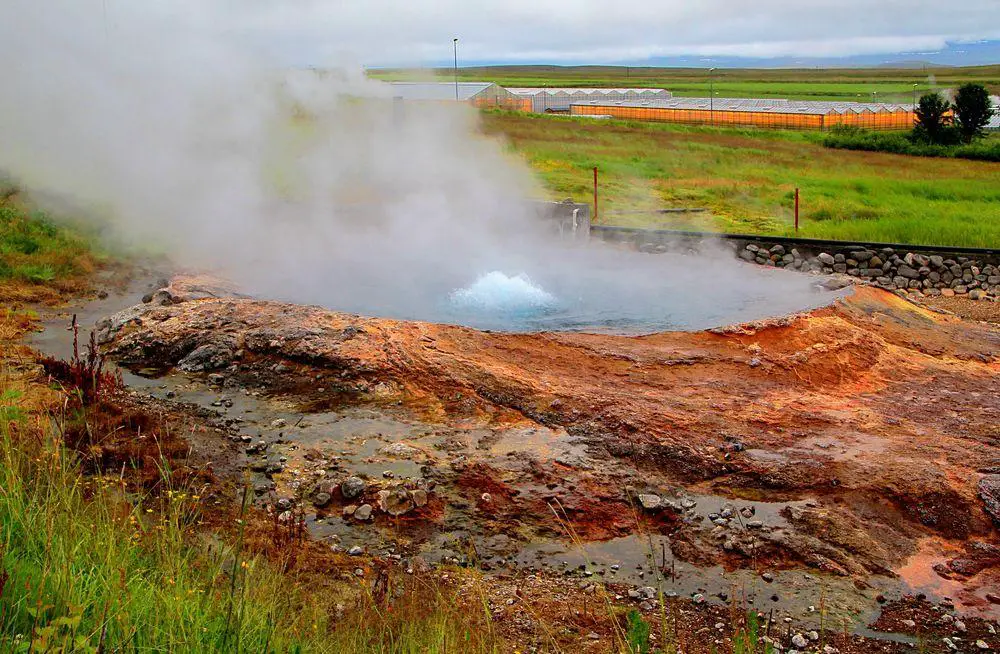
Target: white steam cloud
{"type": "Point", "coordinates": [297, 185]}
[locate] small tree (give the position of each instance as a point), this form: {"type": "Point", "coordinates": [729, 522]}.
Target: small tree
{"type": "Point", "coordinates": [932, 117]}
{"type": "Point", "coordinates": [972, 110]}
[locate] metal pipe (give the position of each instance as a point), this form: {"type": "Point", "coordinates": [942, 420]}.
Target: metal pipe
{"type": "Point", "coordinates": [455, 44]}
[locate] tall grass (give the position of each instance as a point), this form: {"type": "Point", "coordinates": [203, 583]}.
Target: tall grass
{"type": "Point", "coordinates": [87, 567]}
{"type": "Point", "coordinates": [901, 143]}
{"type": "Point", "coordinates": [34, 249]}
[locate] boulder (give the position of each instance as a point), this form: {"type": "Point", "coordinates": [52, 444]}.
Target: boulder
{"type": "Point", "coordinates": [826, 259]}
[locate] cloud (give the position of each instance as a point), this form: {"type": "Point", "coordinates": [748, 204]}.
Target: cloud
{"type": "Point", "coordinates": [399, 32]}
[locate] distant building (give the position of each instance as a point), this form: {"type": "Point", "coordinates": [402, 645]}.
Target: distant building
{"type": "Point", "coordinates": [478, 94]}
{"type": "Point", "coordinates": [755, 112]}
{"type": "Point", "coordinates": [560, 99]}
{"type": "Point", "coordinates": [994, 123]}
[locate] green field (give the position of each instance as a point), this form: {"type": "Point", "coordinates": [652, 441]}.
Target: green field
{"type": "Point", "coordinates": [889, 85]}
{"type": "Point", "coordinates": [747, 178]}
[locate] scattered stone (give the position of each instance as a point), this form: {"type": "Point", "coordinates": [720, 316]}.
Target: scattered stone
{"type": "Point", "coordinates": [283, 504]}
{"type": "Point", "coordinates": [321, 499]}
{"type": "Point", "coordinates": [349, 510]}
{"type": "Point", "coordinates": [825, 259]}
{"type": "Point", "coordinates": [800, 641]}
{"type": "Point", "coordinates": [687, 503]}
{"type": "Point", "coordinates": [401, 450]}
{"type": "Point", "coordinates": [813, 636]}
{"type": "Point", "coordinates": [352, 487]}
{"type": "Point", "coordinates": [768, 577]}
{"type": "Point", "coordinates": [395, 502]}
{"type": "Point", "coordinates": [989, 493]}
{"type": "Point", "coordinates": [279, 423]}
{"type": "Point", "coordinates": [419, 497]}
{"type": "Point", "coordinates": [355, 551]}
{"type": "Point", "coordinates": [981, 644]}
{"type": "Point", "coordinates": [649, 502]}
{"type": "Point", "coordinates": [960, 626]}
{"type": "Point", "coordinates": [909, 624]}
{"type": "Point", "coordinates": [363, 513]}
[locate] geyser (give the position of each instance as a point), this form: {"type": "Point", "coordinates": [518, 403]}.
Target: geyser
{"type": "Point", "coordinates": [498, 293]}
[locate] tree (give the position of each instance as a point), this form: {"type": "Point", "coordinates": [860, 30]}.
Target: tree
{"type": "Point", "coordinates": [932, 117]}
{"type": "Point", "coordinates": [972, 110]}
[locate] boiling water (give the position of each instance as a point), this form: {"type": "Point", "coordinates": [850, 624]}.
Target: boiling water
{"type": "Point", "coordinates": [589, 289]}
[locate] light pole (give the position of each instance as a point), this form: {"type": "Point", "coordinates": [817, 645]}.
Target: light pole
{"type": "Point", "coordinates": [454, 43]}
{"type": "Point", "coordinates": [914, 97]}
{"type": "Point", "coordinates": [711, 96]}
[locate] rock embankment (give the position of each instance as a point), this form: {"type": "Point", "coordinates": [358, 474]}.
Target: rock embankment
{"type": "Point", "coordinates": [978, 278]}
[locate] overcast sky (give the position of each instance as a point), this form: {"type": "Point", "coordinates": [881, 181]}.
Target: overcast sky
{"type": "Point", "coordinates": [401, 32]}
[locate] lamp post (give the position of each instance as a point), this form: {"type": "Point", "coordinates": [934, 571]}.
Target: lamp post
{"type": "Point", "coordinates": [711, 96]}
{"type": "Point", "coordinates": [454, 43]}
{"type": "Point", "coordinates": [914, 97]}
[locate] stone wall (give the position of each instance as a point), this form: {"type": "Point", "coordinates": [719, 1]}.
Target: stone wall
{"type": "Point", "coordinates": [929, 273]}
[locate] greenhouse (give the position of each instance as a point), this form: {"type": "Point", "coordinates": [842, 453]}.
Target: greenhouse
{"type": "Point", "coordinates": [756, 112]}
{"type": "Point", "coordinates": [560, 99]}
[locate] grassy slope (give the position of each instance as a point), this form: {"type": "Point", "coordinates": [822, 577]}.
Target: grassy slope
{"type": "Point", "coordinates": [893, 85]}
{"type": "Point", "coordinates": [747, 178]}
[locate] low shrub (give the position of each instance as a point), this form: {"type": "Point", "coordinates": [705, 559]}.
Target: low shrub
{"type": "Point", "coordinates": [908, 143]}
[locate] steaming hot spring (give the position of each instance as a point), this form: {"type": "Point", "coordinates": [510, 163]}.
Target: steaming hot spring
{"type": "Point", "coordinates": [594, 288]}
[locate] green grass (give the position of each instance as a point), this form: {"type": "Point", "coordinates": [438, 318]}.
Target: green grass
{"type": "Point", "coordinates": [746, 179]}
{"type": "Point", "coordinates": [85, 566]}
{"type": "Point", "coordinates": [889, 85]}
{"type": "Point", "coordinates": [35, 249]}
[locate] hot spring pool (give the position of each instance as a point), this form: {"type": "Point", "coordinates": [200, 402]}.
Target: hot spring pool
{"type": "Point", "coordinates": [589, 289]}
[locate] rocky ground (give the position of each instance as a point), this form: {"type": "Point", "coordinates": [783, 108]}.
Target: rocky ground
{"type": "Point", "coordinates": [854, 446]}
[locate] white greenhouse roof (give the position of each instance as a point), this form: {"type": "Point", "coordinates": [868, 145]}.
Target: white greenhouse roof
{"type": "Point", "coordinates": [775, 105]}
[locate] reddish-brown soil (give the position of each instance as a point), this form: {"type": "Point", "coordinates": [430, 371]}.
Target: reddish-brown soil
{"type": "Point", "coordinates": [882, 416]}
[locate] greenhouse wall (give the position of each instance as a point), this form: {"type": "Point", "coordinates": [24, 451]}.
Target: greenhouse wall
{"type": "Point", "coordinates": [774, 119]}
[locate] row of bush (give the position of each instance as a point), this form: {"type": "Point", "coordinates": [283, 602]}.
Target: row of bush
{"type": "Point", "coordinates": [853, 138]}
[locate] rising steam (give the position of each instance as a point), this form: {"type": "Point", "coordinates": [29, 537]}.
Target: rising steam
{"type": "Point", "coordinates": [299, 185]}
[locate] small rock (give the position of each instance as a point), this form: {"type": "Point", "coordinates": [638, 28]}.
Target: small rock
{"type": "Point", "coordinates": [800, 641]}
{"type": "Point", "coordinates": [981, 644]}
{"type": "Point", "coordinates": [960, 626]}
{"type": "Point", "coordinates": [768, 577]}
{"type": "Point", "coordinates": [830, 649]}
{"type": "Point", "coordinates": [649, 502]}
{"type": "Point", "coordinates": [321, 499]}
{"type": "Point", "coordinates": [355, 551]}
{"type": "Point", "coordinates": [349, 510]}
{"type": "Point", "coordinates": [279, 423]}
{"type": "Point", "coordinates": [813, 636]}
{"type": "Point", "coordinates": [395, 502]}
{"type": "Point", "coordinates": [419, 497]}
{"type": "Point", "coordinates": [909, 624]}
{"type": "Point", "coordinates": [352, 487]}
{"type": "Point", "coordinates": [284, 504]}
{"type": "Point", "coordinates": [755, 524]}
{"type": "Point", "coordinates": [364, 513]}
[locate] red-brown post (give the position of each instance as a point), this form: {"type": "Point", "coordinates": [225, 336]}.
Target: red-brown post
{"type": "Point", "coordinates": [595, 194]}
{"type": "Point", "coordinates": [796, 210]}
